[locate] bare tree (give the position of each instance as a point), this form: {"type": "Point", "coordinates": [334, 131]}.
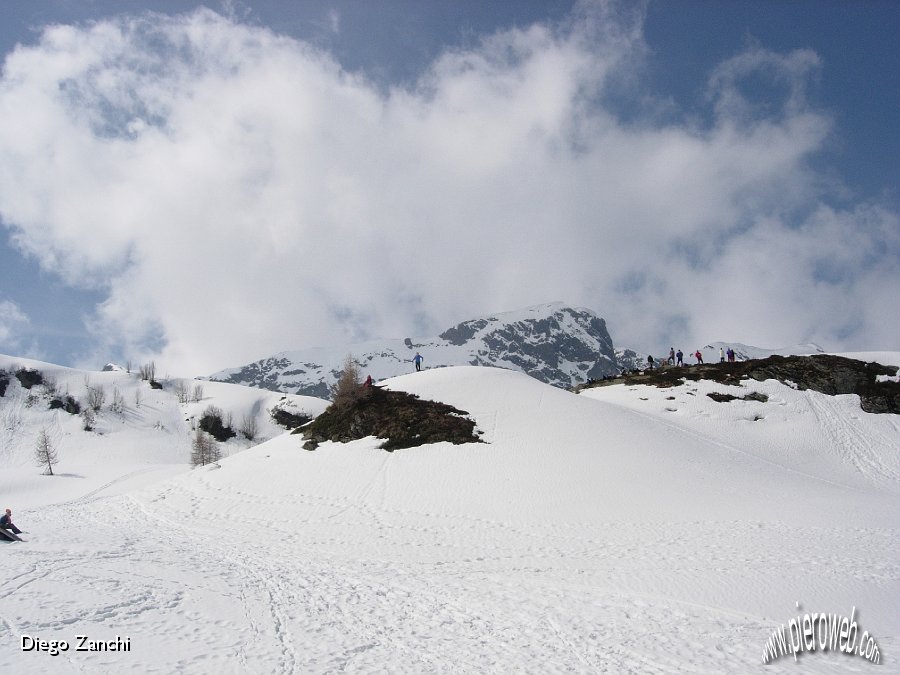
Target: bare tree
{"type": "Point", "coordinates": [45, 451]}
{"type": "Point", "coordinates": [118, 401]}
{"type": "Point", "coordinates": [51, 386]}
{"type": "Point", "coordinates": [182, 391]}
{"type": "Point", "coordinates": [96, 397]}
{"type": "Point", "coordinates": [137, 398]}
{"type": "Point", "coordinates": [347, 389]}
{"type": "Point", "coordinates": [204, 450]}
{"type": "Point", "coordinates": [148, 371]}
{"type": "Point", "coordinates": [87, 419]}
{"type": "Point", "coordinates": [197, 395]}
{"type": "Point", "coordinates": [249, 426]}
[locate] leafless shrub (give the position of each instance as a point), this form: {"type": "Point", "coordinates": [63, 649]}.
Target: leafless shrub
{"type": "Point", "coordinates": [88, 418]}
{"type": "Point", "coordinates": [183, 391]}
{"type": "Point", "coordinates": [249, 426]}
{"type": "Point", "coordinates": [118, 401]}
{"type": "Point", "coordinates": [96, 397]}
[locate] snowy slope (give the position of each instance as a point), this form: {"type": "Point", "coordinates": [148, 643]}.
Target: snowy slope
{"type": "Point", "coordinates": [615, 531]}
{"type": "Point", "coordinates": [149, 438]}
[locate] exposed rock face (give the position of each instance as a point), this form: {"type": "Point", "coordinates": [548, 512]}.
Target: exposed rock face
{"type": "Point", "coordinates": [821, 372]}
{"type": "Point", "coordinates": [565, 346]}
{"type": "Point", "coordinates": [402, 419]}
{"type": "Point", "coordinates": [289, 420]}
{"type": "Point", "coordinates": [553, 343]}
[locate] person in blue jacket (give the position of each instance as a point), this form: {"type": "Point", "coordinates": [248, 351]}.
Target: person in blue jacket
{"type": "Point", "coordinates": [7, 524]}
{"type": "Point", "coordinates": [418, 361]}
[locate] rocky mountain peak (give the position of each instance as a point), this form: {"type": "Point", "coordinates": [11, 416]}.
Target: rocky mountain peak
{"type": "Point", "coordinates": [554, 343]}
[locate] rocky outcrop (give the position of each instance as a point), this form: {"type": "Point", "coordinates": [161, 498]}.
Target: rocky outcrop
{"type": "Point", "coordinates": [401, 419]}
{"type": "Point", "coordinates": [824, 373]}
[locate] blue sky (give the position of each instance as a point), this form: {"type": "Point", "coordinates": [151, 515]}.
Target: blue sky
{"type": "Point", "coordinates": [208, 186]}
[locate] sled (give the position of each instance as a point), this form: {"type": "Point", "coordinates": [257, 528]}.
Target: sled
{"type": "Point", "coordinates": [9, 534]}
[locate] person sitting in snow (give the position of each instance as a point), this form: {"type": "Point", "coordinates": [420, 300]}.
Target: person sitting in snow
{"type": "Point", "coordinates": [7, 524]}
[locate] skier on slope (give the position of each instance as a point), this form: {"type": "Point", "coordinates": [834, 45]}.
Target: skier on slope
{"type": "Point", "coordinates": [7, 524]}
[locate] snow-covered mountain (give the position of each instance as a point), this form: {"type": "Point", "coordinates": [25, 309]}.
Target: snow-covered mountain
{"type": "Point", "coordinates": [744, 352]}
{"type": "Point", "coordinates": [627, 529]}
{"type": "Point", "coordinates": [553, 343]}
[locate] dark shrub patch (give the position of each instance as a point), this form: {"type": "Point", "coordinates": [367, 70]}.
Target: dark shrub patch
{"type": "Point", "coordinates": [402, 419]}
{"type": "Point", "coordinates": [289, 420]}
{"type": "Point", "coordinates": [4, 382]}
{"type": "Point", "coordinates": [29, 378]}
{"type": "Point", "coordinates": [69, 404]}
{"type": "Point", "coordinates": [212, 423]}
{"type": "Point", "coordinates": [724, 398]}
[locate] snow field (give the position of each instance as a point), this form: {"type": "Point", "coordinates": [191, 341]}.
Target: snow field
{"type": "Point", "coordinates": [592, 533]}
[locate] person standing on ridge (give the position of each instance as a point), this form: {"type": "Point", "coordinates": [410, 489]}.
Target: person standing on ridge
{"type": "Point", "coordinates": [721, 355]}
{"type": "Point", "coordinates": [679, 358]}
{"type": "Point", "coordinates": [417, 359]}
{"type": "Point", "coordinates": [671, 356]}
{"type": "Point", "coordinates": [699, 356]}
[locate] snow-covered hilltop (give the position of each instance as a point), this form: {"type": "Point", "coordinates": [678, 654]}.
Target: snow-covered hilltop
{"type": "Point", "coordinates": [553, 343]}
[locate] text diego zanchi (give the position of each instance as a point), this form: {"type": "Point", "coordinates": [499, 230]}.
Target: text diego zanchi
{"type": "Point", "coordinates": [82, 643]}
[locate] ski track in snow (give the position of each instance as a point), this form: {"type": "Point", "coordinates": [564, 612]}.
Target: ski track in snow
{"type": "Point", "coordinates": [856, 445]}
{"type": "Point", "coordinates": [574, 598]}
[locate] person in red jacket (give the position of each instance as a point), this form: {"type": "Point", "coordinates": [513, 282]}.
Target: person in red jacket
{"type": "Point", "coordinates": [698, 356]}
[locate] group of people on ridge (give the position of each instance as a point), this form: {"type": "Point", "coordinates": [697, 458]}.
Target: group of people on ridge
{"type": "Point", "coordinates": [677, 358]}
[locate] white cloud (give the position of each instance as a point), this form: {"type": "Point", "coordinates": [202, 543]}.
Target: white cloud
{"type": "Point", "coordinates": [238, 193]}
{"type": "Point", "coordinates": [11, 318]}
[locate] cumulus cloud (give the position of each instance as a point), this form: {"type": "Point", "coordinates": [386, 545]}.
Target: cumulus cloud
{"type": "Point", "coordinates": [11, 319]}
{"type": "Point", "coordinates": [235, 192]}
